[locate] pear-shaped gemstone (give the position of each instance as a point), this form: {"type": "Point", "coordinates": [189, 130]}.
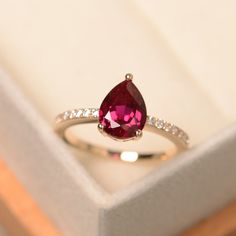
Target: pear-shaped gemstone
{"type": "Point", "coordinates": [123, 111]}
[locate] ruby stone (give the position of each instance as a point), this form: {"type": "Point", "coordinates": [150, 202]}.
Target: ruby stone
{"type": "Point", "coordinates": [123, 111]}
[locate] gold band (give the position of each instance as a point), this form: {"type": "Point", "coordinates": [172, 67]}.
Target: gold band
{"type": "Point", "coordinates": [90, 115]}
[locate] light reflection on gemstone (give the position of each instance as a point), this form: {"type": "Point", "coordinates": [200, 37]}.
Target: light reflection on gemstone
{"type": "Point", "coordinates": [123, 111]}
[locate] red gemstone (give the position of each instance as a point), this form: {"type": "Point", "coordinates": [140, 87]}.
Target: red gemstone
{"type": "Point", "coordinates": [123, 111]}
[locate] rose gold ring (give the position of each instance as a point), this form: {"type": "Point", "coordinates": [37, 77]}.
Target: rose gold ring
{"type": "Point", "coordinates": [122, 116]}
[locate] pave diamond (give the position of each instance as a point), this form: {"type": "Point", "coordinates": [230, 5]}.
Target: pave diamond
{"type": "Point", "coordinates": [160, 123]}
{"type": "Point", "coordinates": [174, 129]}
{"type": "Point", "coordinates": [181, 134]}
{"type": "Point", "coordinates": [73, 114]}
{"type": "Point", "coordinates": [151, 120]}
{"type": "Point", "coordinates": [185, 138]}
{"type": "Point", "coordinates": [86, 112]}
{"type": "Point", "coordinates": [66, 115]}
{"type": "Point", "coordinates": [95, 112]}
{"type": "Point", "coordinates": [167, 127]}
{"type": "Point", "coordinates": [79, 113]}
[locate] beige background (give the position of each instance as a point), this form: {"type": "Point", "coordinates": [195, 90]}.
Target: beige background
{"type": "Point", "coordinates": [67, 54]}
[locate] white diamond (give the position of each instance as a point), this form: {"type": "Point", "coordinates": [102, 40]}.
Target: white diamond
{"type": "Point", "coordinates": [181, 133]}
{"type": "Point", "coordinates": [151, 120]}
{"type": "Point", "coordinates": [86, 112]}
{"type": "Point", "coordinates": [185, 138]}
{"type": "Point", "coordinates": [95, 112]}
{"type": "Point", "coordinates": [79, 113]}
{"type": "Point", "coordinates": [167, 127]}
{"type": "Point", "coordinates": [160, 124]}
{"type": "Point", "coordinates": [174, 129]}
{"type": "Point", "coordinates": [73, 114]}
{"type": "Point", "coordinates": [66, 115]}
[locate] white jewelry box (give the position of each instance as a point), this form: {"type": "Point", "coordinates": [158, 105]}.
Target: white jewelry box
{"type": "Point", "coordinates": [96, 196]}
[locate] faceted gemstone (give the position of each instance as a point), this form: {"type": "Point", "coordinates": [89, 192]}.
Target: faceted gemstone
{"type": "Point", "coordinates": [123, 111]}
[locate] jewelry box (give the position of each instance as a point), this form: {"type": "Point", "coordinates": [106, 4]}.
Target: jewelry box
{"type": "Point", "coordinates": [51, 64]}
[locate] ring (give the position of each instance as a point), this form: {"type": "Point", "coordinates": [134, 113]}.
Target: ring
{"type": "Point", "coordinates": [122, 116]}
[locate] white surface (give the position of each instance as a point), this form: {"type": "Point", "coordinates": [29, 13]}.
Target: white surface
{"type": "Point", "coordinates": [202, 34]}
{"type": "Point", "coordinates": [55, 51]}
{"type": "Point", "coordinates": [176, 195]}
{"type": "Point", "coordinates": [39, 159]}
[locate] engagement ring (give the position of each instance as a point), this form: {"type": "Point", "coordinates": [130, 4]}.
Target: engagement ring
{"type": "Point", "coordinates": [122, 116]}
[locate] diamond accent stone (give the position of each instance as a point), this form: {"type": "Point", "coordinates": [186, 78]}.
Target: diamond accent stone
{"type": "Point", "coordinates": [79, 113]}
{"type": "Point", "coordinates": [155, 122]}
{"type": "Point", "coordinates": [185, 138]}
{"type": "Point", "coordinates": [86, 112]}
{"type": "Point", "coordinates": [152, 120]}
{"type": "Point", "coordinates": [160, 123]}
{"type": "Point", "coordinates": [66, 115]}
{"type": "Point", "coordinates": [174, 129]}
{"type": "Point", "coordinates": [180, 134]}
{"type": "Point", "coordinates": [95, 112]}
{"type": "Point", "coordinates": [73, 114]}
{"type": "Point", "coordinates": [167, 126]}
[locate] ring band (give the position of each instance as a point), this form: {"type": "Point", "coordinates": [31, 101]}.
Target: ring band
{"type": "Point", "coordinates": [121, 116]}
{"type": "Point", "coordinates": [90, 115]}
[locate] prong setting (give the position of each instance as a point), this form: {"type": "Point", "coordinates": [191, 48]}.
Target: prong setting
{"type": "Point", "coordinates": [138, 134]}
{"type": "Point", "coordinates": [128, 76]}
{"type": "Point", "coordinates": [101, 128]}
